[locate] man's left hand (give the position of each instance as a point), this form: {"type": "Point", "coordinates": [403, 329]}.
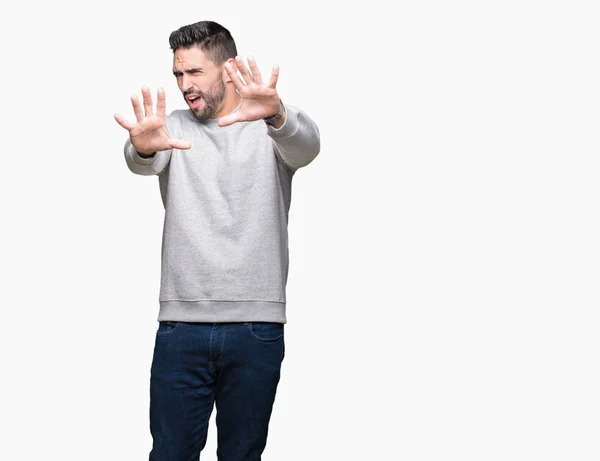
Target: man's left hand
{"type": "Point", "coordinates": [257, 99]}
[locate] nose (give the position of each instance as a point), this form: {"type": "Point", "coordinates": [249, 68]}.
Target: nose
{"type": "Point", "coordinates": [186, 84]}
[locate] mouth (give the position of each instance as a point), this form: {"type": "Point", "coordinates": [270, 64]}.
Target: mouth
{"type": "Point", "coordinates": [193, 100]}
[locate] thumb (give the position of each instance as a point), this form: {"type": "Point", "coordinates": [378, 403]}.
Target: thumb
{"type": "Point", "coordinates": [231, 119]}
{"type": "Point", "coordinates": [180, 144]}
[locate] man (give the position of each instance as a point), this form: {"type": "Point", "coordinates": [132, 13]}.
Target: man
{"type": "Point", "coordinates": [225, 169]}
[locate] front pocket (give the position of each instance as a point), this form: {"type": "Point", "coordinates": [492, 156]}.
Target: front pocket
{"type": "Point", "coordinates": [266, 332]}
{"type": "Point", "coordinates": [166, 326]}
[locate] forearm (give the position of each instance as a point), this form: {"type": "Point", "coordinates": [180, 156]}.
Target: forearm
{"type": "Point", "coordinates": [297, 138]}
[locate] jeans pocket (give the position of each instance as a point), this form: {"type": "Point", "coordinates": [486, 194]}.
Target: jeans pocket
{"type": "Point", "coordinates": [266, 332]}
{"type": "Point", "coordinates": [166, 326]}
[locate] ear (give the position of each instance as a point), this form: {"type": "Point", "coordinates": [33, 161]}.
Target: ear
{"type": "Point", "coordinates": [225, 74]}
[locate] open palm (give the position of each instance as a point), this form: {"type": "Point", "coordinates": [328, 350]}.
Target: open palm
{"type": "Point", "coordinates": [150, 134]}
{"type": "Point", "coordinates": [257, 99]}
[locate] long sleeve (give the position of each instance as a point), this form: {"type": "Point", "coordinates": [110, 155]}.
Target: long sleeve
{"type": "Point", "coordinates": [145, 166]}
{"type": "Point", "coordinates": [297, 141]}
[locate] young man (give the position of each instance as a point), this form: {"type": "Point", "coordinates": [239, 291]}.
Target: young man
{"type": "Point", "coordinates": [225, 169]}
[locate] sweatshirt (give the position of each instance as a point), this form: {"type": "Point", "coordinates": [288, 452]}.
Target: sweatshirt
{"type": "Point", "coordinates": [225, 253]}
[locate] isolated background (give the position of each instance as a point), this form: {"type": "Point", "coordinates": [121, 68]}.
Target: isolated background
{"type": "Point", "coordinates": [443, 289]}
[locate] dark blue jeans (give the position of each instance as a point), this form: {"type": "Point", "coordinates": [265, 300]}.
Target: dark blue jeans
{"type": "Point", "coordinates": [234, 366]}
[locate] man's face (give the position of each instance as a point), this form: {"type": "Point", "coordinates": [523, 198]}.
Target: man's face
{"type": "Point", "coordinates": [200, 81]}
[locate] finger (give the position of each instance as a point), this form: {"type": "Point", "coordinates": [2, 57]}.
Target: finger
{"type": "Point", "coordinates": [254, 69]}
{"type": "Point", "coordinates": [161, 104]}
{"type": "Point", "coordinates": [147, 101]}
{"type": "Point", "coordinates": [231, 119]}
{"type": "Point", "coordinates": [234, 76]}
{"type": "Point", "coordinates": [124, 123]}
{"type": "Point", "coordinates": [274, 77]}
{"type": "Point", "coordinates": [243, 69]}
{"type": "Point", "coordinates": [137, 108]}
{"type": "Point", "coordinates": [179, 144]}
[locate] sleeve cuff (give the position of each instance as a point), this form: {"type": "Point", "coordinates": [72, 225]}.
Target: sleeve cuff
{"type": "Point", "coordinates": [133, 155]}
{"type": "Point", "coordinates": [289, 127]}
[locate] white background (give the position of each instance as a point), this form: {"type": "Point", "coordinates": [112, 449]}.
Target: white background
{"type": "Point", "coordinates": [443, 297]}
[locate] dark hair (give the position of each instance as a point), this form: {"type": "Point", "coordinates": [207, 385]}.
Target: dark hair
{"type": "Point", "coordinates": [212, 38]}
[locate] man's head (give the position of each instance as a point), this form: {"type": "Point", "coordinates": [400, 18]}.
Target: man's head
{"type": "Point", "coordinates": [199, 52]}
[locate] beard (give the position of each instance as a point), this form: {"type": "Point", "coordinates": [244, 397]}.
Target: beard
{"type": "Point", "coordinates": [212, 100]}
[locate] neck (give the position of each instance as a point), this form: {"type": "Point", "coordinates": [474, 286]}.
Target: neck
{"type": "Point", "coordinates": [230, 101]}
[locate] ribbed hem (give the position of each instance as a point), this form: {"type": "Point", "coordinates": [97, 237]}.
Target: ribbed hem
{"type": "Point", "coordinates": [289, 127]}
{"type": "Point", "coordinates": [222, 311]}
{"type": "Point", "coordinates": [135, 156]}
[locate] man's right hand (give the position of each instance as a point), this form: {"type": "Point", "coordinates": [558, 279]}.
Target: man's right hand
{"type": "Point", "coordinates": [150, 135]}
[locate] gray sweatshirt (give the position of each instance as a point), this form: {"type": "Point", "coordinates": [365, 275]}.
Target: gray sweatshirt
{"type": "Point", "coordinates": [225, 238]}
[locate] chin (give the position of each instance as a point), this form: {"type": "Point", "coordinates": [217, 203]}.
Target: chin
{"type": "Point", "coordinates": [204, 113]}
{"type": "Point", "coordinates": [199, 113]}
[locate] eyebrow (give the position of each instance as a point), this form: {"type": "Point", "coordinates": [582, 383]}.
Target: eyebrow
{"type": "Point", "coordinates": [193, 69]}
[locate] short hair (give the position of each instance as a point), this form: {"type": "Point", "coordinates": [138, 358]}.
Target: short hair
{"type": "Point", "coordinates": [210, 37]}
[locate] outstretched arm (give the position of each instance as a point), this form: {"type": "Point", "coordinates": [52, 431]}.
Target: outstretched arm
{"type": "Point", "coordinates": [296, 136]}
{"type": "Point", "coordinates": [297, 141]}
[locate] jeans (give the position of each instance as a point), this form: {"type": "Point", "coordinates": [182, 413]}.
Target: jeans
{"type": "Point", "coordinates": [235, 366]}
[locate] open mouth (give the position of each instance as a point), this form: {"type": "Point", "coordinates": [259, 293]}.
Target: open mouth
{"type": "Point", "coordinates": [193, 100]}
